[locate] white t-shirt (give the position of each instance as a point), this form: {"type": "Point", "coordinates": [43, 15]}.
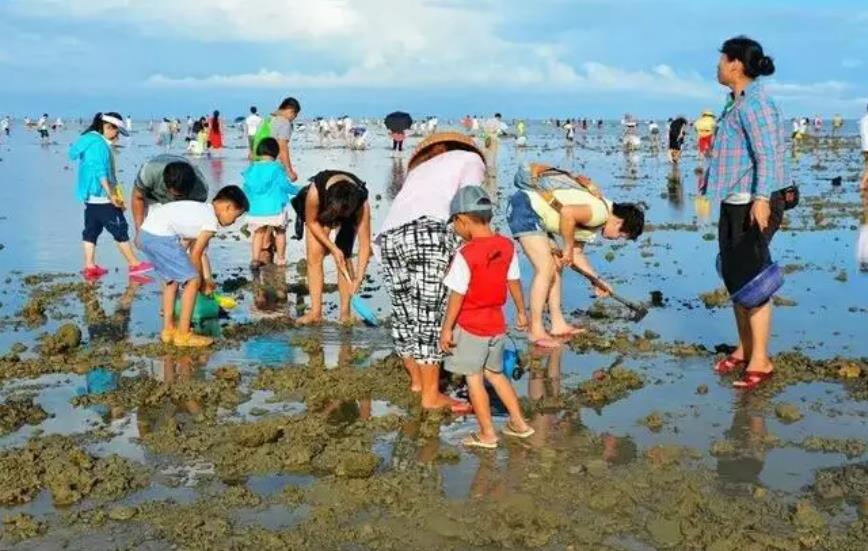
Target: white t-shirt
{"type": "Point", "coordinates": [458, 277]}
{"type": "Point", "coordinates": [184, 219]}
{"type": "Point", "coordinates": [252, 123]}
{"type": "Point", "coordinates": [42, 124]}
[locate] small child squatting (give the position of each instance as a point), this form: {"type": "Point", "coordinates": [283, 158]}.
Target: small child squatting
{"type": "Point", "coordinates": [166, 236]}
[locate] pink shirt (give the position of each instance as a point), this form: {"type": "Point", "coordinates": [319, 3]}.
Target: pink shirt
{"type": "Point", "coordinates": [429, 188]}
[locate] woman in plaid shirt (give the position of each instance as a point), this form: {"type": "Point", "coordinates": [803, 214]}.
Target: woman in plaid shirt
{"type": "Point", "coordinates": [748, 163]}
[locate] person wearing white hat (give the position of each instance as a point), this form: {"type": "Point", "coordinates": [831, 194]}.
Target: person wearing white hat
{"type": "Point", "coordinates": [98, 189]}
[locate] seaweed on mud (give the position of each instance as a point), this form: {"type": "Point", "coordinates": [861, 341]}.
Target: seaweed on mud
{"type": "Point", "coordinates": [21, 526]}
{"type": "Point", "coordinates": [66, 339]}
{"type": "Point", "coordinates": [71, 474]}
{"type": "Point", "coordinates": [851, 447]}
{"type": "Point", "coordinates": [564, 498]}
{"type": "Point", "coordinates": [42, 299]}
{"type": "Point", "coordinates": [17, 412]}
{"type": "Point", "coordinates": [609, 385]}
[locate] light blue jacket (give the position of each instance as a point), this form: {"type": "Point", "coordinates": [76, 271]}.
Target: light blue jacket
{"type": "Point", "coordinates": [95, 162]}
{"type": "Point", "coordinates": [267, 188]}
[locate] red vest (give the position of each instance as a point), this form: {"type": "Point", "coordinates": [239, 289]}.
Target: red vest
{"type": "Point", "coordinates": [482, 310]}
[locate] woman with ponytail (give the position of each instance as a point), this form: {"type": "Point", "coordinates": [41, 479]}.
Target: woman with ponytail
{"type": "Point", "coordinates": [333, 202]}
{"type": "Point", "coordinates": [97, 188]}
{"type": "Point", "coordinates": [747, 165]}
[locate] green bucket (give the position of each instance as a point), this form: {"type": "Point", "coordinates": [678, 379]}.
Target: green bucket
{"type": "Point", "coordinates": [206, 308]}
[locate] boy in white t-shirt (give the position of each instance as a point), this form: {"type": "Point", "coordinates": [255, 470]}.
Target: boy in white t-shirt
{"type": "Point", "coordinates": [166, 235]}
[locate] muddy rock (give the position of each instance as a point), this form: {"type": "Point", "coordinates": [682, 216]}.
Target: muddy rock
{"type": "Point", "coordinates": [15, 413]}
{"type": "Point", "coordinates": [66, 339]}
{"type": "Point", "coordinates": [654, 421]}
{"type": "Point", "coordinates": [783, 301]}
{"type": "Point", "coordinates": [665, 532]}
{"type": "Point", "coordinates": [850, 371]}
{"type": "Point", "coordinates": [229, 374]}
{"type": "Point", "coordinates": [850, 447]}
{"type": "Point", "coordinates": [807, 517]}
{"type": "Point", "coordinates": [715, 299]}
{"type": "Point", "coordinates": [788, 413]}
{"type": "Point", "coordinates": [67, 471]}
{"type": "Point", "coordinates": [611, 385]}
{"type": "Point", "coordinates": [702, 390]}
{"type": "Point", "coordinates": [22, 526]}
{"type": "Point", "coordinates": [121, 513]}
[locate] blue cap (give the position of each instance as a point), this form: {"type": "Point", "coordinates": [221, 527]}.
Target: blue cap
{"type": "Point", "coordinates": [470, 199]}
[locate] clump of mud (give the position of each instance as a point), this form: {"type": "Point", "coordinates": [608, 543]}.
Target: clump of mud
{"type": "Point", "coordinates": [44, 299]}
{"type": "Point", "coordinates": [715, 299]}
{"type": "Point", "coordinates": [21, 526]}
{"type": "Point", "coordinates": [788, 413]}
{"type": "Point", "coordinates": [17, 412]}
{"type": "Point", "coordinates": [55, 463]}
{"type": "Point", "coordinates": [609, 385]}
{"type": "Point", "coordinates": [850, 447]}
{"type": "Point", "coordinates": [66, 339]}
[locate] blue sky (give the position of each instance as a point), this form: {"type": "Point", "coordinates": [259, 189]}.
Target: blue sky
{"type": "Point", "coordinates": [532, 58]}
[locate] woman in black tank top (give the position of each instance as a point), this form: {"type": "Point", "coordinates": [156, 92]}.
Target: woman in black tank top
{"type": "Point", "coordinates": [333, 202]}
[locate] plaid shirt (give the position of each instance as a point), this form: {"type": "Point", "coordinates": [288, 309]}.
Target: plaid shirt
{"type": "Point", "coordinates": [748, 155]}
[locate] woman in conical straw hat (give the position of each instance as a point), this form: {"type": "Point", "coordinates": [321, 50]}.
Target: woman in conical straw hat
{"type": "Point", "coordinates": [415, 247]}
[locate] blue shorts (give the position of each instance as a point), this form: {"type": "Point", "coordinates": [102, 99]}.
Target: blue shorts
{"type": "Point", "coordinates": [522, 219]}
{"type": "Point", "coordinates": [104, 216]}
{"type": "Point", "coordinates": [169, 257]}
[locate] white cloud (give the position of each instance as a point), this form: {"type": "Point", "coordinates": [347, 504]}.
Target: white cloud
{"type": "Point", "coordinates": [374, 44]}
{"type": "Point", "coordinates": [827, 89]}
{"type": "Point", "coordinates": [550, 74]}
{"type": "Point", "coordinates": [383, 44]}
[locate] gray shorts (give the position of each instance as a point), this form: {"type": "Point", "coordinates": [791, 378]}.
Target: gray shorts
{"type": "Point", "coordinates": [472, 353]}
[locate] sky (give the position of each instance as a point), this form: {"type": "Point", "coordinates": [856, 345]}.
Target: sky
{"type": "Point", "coordinates": [524, 58]}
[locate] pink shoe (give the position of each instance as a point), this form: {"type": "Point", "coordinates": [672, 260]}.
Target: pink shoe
{"type": "Point", "coordinates": [141, 268]}
{"type": "Point", "coordinates": [94, 272]}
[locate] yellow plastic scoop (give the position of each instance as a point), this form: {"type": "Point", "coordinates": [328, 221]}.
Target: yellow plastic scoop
{"type": "Point", "coordinates": [225, 302]}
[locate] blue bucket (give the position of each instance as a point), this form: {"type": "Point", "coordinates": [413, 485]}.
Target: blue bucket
{"type": "Point", "coordinates": [512, 367]}
{"type": "Point", "coordinates": [761, 288]}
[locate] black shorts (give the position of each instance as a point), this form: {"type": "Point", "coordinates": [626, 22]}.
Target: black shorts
{"type": "Point", "coordinates": [104, 216]}
{"type": "Point", "coordinates": [744, 249]}
{"type": "Point", "coordinates": [43, 132]}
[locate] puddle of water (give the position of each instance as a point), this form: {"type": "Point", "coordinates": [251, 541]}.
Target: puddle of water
{"type": "Point", "coordinates": [828, 320]}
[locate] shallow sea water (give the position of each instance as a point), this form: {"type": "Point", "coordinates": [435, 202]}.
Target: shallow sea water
{"type": "Point", "coordinates": [41, 224]}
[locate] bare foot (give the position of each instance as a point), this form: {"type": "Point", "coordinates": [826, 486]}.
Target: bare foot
{"type": "Point", "coordinates": [440, 402]}
{"type": "Point", "coordinates": [543, 340]}
{"type": "Point", "coordinates": [311, 318]}
{"type": "Point", "coordinates": [566, 330]}
{"type": "Point", "coordinates": [760, 366]}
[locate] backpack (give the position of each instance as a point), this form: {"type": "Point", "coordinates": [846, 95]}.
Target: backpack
{"type": "Point", "coordinates": [545, 179]}
{"type": "Point", "coordinates": [264, 131]}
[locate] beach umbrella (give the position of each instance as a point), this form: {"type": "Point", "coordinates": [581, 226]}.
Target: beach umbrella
{"type": "Point", "coordinates": [398, 121]}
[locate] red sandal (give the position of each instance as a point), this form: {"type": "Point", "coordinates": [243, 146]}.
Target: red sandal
{"type": "Point", "coordinates": [752, 379]}
{"type": "Point", "coordinates": [729, 364]}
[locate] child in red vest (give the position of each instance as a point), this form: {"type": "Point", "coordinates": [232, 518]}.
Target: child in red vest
{"type": "Point", "coordinates": [474, 328]}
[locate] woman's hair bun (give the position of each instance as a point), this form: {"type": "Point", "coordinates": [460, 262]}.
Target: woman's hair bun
{"type": "Point", "coordinates": [765, 66]}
